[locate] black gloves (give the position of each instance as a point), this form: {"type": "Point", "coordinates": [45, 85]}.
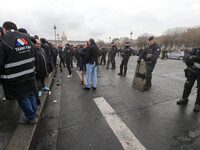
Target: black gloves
{"type": "Point", "coordinates": [149, 57]}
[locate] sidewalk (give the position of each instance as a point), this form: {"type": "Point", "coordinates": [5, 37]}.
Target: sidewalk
{"type": "Point", "coordinates": [14, 136]}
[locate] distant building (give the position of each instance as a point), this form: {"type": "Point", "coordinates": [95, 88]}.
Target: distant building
{"type": "Point", "coordinates": [64, 41]}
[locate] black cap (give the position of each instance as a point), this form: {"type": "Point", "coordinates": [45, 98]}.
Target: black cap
{"type": "Point", "coordinates": [151, 38]}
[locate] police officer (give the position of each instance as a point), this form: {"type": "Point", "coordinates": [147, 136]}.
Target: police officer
{"type": "Point", "coordinates": [17, 70]}
{"type": "Point", "coordinates": [103, 52]}
{"type": "Point", "coordinates": [192, 73]}
{"type": "Point", "coordinates": [150, 56]}
{"type": "Point", "coordinates": [111, 56]}
{"type": "Point", "coordinates": [125, 53]}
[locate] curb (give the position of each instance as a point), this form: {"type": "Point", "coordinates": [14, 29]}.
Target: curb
{"type": "Point", "coordinates": [23, 134]}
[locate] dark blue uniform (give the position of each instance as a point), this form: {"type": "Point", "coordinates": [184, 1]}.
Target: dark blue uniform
{"type": "Point", "coordinates": [111, 57]}
{"type": "Point", "coordinates": [125, 53]}
{"type": "Point", "coordinates": [192, 73]}
{"type": "Point", "coordinates": [150, 56]}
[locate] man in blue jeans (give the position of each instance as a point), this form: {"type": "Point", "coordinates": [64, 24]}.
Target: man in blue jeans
{"type": "Point", "coordinates": [92, 55]}
{"type": "Point", "coordinates": [17, 70]}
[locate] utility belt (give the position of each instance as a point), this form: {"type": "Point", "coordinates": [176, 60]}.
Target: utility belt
{"type": "Point", "coordinates": [191, 70]}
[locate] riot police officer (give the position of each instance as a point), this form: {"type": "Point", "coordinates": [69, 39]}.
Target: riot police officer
{"type": "Point", "coordinates": [103, 52]}
{"type": "Point", "coordinates": [125, 53]}
{"type": "Point", "coordinates": [150, 56]}
{"type": "Point", "coordinates": [192, 72]}
{"type": "Point", "coordinates": [111, 56]}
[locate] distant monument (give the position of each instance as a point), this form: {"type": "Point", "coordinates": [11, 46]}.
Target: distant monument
{"type": "Point", "coordinates": [64, 39]}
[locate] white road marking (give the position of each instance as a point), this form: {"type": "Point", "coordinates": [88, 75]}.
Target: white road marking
{"type": "Point", "coordinates": [121, 131]}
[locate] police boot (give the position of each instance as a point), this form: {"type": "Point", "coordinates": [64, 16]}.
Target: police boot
{"type": "Point", "coordinates": [121, 70]}
{"type": "Point", "coordinates": [146, 88]}
{"type": "Point", "coordinates": [182, 101]}
{"type": "Point", "coordinates": [150, 84]}
{"type": "Point", "coordinates": [196, 108]}
{"type": "Point", "coordinates": [125, 70]}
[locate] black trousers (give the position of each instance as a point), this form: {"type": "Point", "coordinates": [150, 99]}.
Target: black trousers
{"type": "Point", "coordinates": [123, 66]}
{"type": "Point", "coordinates": [71, 63]}
{"type": "Point", "coordinates": [103, 60]}
{"type": "Point", "coordinates": [69, 67]}
{"type": "Point", "coordinates": [149, 70]}
{"type": "Point", "coordinates": [62, 61]}
{"type": "Point", "coordinates": [192, 76]}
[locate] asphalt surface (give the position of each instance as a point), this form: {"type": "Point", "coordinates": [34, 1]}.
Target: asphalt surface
{"type": "Point", "coordinates": [72, 121]}
{"type": "Point", "coordinates": [9, 115]}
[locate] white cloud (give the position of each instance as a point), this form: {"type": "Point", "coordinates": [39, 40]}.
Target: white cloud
{"type": "Point", "coordinates": [100, 18]}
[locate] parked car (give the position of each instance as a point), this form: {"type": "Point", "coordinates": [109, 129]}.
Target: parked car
{"type": "Point", "coordinates": [175, 55]}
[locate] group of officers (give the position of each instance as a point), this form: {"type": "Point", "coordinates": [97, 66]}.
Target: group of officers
{"type": "Point", "coordinates": [150, 55]}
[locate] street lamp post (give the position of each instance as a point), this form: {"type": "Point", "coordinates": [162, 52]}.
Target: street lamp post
{"type": "Point", "coordinates": [110, 39]}
{"type": "Point", "coordinates": [131, 35]}
{"type": "Point", "coordinates": [55, 35]}
{"type": "Point", "coordinates": [58, 38]}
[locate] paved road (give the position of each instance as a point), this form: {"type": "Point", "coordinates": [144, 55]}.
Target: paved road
{"type": "Point", "coordinates": [116, 116]}
{"type": "Point", "coordinates": [9, 115]}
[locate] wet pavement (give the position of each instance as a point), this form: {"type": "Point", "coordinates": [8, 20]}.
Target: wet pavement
{"type": "Point", "coordinates": [153, 117]}
{"type": "Point", "coordinates": [9, 115]}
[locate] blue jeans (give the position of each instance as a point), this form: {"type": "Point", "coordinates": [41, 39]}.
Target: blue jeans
{"type": "Point", "coordinates": [28, 106]}
{"type": "Point", "coordinates": [91, 74]}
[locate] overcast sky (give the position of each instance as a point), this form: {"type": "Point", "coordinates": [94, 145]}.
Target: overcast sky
{"type": "Point", "coordinates": [82, 19]}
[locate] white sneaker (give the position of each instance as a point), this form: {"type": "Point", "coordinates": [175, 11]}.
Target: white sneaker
{"type": "Point", "coordinates": [69, 76]}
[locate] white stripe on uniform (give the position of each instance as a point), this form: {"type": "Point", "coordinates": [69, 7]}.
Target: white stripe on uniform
{"type": "Point", "coordinates": [18, 74]}
{"type": "Point", "coordinates": [19, 63]}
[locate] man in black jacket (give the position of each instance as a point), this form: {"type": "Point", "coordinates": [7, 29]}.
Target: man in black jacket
{"type": "Point", "coordinates": [41, 67]}
{"type": "Point", "coordinates": [17, 70]}
{"type": "Point", "coordinates": [150, 56]}
{"type": "Point", "coordinates": [125, 53]}
{"type": "Point", "coordinates": [192, 74]}
{"type": "Point", "coordinates": [47, 48]}
{"type": "Point", "coordinates": [111, 56]}
{"type": "Point", "coordinates": [67, 58]}
{"type": "Point", "coordinates": [91, 65]}
{"type": "Point", "coordinates": [103, 52]}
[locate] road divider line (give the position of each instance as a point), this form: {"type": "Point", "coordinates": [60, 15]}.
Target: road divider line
{"type": "Point", "coordinates": [119, 128]}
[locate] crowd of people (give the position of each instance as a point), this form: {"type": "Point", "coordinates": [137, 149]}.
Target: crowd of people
{"type": "Point", "coordinates": [26, 61]}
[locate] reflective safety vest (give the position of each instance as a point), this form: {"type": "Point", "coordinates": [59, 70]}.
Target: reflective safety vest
{"type": "Point", "coordinates": [20, 60]}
